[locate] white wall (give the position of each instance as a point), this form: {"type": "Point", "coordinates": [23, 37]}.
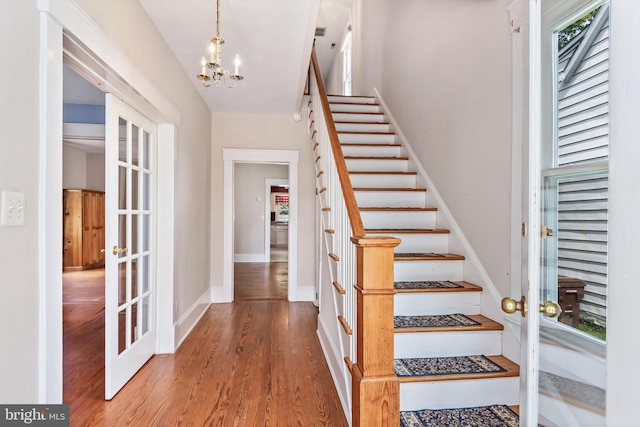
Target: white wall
{"type": "Point", "coordinates": [249, 225]}
{"type": "Point", "coordinates": [133, 33]}
{"type": "Point", "coordinates": [82, 170]}
{"type": "Point", "coordinates": [444, 69]}
{"type": "Point", "coordinates": [19, 172]}
{"type": "Point", "coordinates": [74, 172]}
{"type": "Point", "coordinates": [95, 172]}
{"type": "Point", "coordinates": [264, 131]}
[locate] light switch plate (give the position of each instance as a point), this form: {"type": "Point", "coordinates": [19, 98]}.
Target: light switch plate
{"type": "Point", "coordinates": [12, 209]}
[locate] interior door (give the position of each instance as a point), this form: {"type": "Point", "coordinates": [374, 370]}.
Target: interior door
{"type": "Point", "coordinates": [130, 334]}
{"type": "Point", "coordinates": [564, 360]}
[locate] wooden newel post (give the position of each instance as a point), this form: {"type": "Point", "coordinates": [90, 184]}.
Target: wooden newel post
{"type": "Point", "coordinates": [375, 388]}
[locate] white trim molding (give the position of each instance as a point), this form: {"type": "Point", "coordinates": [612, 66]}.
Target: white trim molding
{"type": "Point", "coordinates": [231, 156]}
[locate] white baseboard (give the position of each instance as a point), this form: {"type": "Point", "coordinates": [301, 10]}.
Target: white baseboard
{"type": "Point", "coordinates": [305, 293]}
{"type": "Point", "coordinates": [191, 317]}
{"type": "Point", "coordinates": [249, 258]}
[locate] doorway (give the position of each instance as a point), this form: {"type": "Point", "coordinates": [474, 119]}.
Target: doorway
{"type": "Point", "coordinates": [83, 276]}
{"type": "Point", "coordinates": [261, 231]}
{"type": "Point", "coordinates": [235, 159]}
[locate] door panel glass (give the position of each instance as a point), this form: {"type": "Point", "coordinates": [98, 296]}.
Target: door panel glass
{"type": "Point", "coordinates": [134, 279]}
{"type": "Point", "coordinates": [134, 234]}
{"type": "Point", "coordinates": [122, 283]}
{"type": "Point", "coordinates": [122, 234]}
{"type": "Point", "coordinates": [146, 147]}
{"type": "Point", "coordinates": [122, 331]}
{"type": "Point", "coordinates": [145, 314]}
{"type": "Point", "coordinates": [135, 131]}
{"type": "Point", "coordinates": [123, 140]}
{"type": "Point", "coordinates": [134, 189]}
{"type": "Point", "coordinates": [134, 322]}
{"type": "Point", "coordinates": [144, 273]}
{"type": "Point", "coordinates": [122, 187]}
{"type": "Point", "coordinates": [146, 237]}
{"type": "Point", "coordinates": [574, 254]}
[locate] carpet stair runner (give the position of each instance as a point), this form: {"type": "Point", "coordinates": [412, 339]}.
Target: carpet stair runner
{"type": "Point", "coordinates": [447, 354]}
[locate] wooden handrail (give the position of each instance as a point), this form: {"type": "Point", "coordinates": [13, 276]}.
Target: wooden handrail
{"type": "Point", "coordinates": [345, 182]}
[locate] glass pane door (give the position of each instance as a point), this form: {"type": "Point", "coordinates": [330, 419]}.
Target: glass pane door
{"type": "Point", "coordinates": [575, 187]}
{"type": "Point", "coordinates": [130, 336]}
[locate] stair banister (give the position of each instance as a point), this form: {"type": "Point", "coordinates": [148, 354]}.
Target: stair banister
{"type": "Point", "coordinates": [368, 261]}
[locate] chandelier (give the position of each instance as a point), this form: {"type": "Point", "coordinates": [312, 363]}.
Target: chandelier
{"type": "Point", "coordinates": [212, 71]}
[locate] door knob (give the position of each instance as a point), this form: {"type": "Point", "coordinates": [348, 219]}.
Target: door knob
{"type": "Point", "coordinates": [103, 251]}
{"type": "Point", "coordinates": [509, 305]}
{"type": "Point", "coordinates": [545, 232]}
{"type": "Point", "coordinates": [116, 250]}
{"type": "Point", "coordinates": [550, 309]}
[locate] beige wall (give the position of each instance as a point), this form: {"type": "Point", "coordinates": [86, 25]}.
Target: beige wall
{"type": "Point", "coordinates": [133, 32]}
{"type": "Point", "coordinates": [19, 172]}
{"type": "Point", "coordinates": [249, 185]}
{"type": "Point", "coordinates": [444, 69]}
{"type": "Point", "coordinates": [82, 170]}
{"type": "Point", "coordinates": [264, 131]}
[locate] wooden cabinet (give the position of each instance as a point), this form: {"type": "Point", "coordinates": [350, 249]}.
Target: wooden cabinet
{"type": "Point", "coordinates": [83, 229]}
{"type": "Point", "coordinates": [279, 234]}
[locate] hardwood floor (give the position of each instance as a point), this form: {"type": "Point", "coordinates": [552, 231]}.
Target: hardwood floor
{"type": "Point", "coordinates": [260, 280]}
{"type": "Point", "coordinates": [248, 363]}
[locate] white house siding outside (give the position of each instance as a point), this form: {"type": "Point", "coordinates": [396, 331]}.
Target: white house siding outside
{"type": "Point", "coordinates": [583, 137]}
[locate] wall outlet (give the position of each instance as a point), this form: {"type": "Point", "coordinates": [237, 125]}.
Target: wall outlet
{"type": "Point", "coordinates": [12, 209]}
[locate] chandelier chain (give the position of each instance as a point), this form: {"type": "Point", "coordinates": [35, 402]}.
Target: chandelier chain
{"type": "Point", "coordinates": [218, 18]}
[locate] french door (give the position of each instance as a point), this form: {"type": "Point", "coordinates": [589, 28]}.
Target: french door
{"type": "Point", "coordinates": [565, 294]}
{"type": "Point", "coordinates": [130, 335]}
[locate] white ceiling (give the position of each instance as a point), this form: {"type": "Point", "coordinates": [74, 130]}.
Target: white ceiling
{"type": "Point", "coordinates": [272, 37]}
{"type": "Point", "coordinates": [269, 36]}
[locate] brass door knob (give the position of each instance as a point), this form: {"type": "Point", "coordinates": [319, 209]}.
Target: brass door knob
{"type": "Point", "coordinates": [550, 309]}
{"type": "Point", "coordinates": [116, 250]}
{"type": "Point", "coordinates": [545, 232]}
{"type": "Point", "coordinates": [510, 306]}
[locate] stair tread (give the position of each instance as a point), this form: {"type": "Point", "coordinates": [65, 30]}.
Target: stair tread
{"type": "Point", "coordinates": [438, 323]}
{"type": "Point", "coordinates": [382, 209]}
{"type": "Point", "coordinates": [364, 133]}
{"type": "Point", "coordinates": [420, 190]}
{"type": "Point", "coordinates": [374, 158]}
{"type": "Point", "coordinates": [381, 172]}
{"type": "Point", "coordinates": [357, 112]}
{"type": "Point", "coordinates": [428, 286]}
{"type": "Point", "coordinates": [349, 144]}
{"type": "Point", "coordinates": [406, 231]}
{"type": "Point", "coordinates": [360, 123]}
{"type": "Point", "coordinates": [495, 415]}
{"type": "Point", "coordinates": [509, 369]}
{"type": "Point", "coordinates": [430, 256]}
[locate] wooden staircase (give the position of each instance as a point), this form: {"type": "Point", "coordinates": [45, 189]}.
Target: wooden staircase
{"type": "Point", "coordinates": [392, 203]}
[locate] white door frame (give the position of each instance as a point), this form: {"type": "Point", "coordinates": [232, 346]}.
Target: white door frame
{"type": "Point", "coordinates": [240, 155]}
{"type": "Point", "coordinates": [268, 183]}
{"type": "Point", "coordinates": [66, 17]}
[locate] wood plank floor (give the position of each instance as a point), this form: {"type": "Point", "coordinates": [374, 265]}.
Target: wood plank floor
{"type": "Point", "coordinates": [260, 280]}
{"type": "Point", "coordinates": [248, 363]}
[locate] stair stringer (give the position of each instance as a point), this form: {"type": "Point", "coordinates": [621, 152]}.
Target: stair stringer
{"type": "Point", "coordinates": [473, 270]}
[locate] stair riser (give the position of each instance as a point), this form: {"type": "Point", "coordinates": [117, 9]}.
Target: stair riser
{"type": "Point", "coordinates": [446, 344]}
{"type": "Point", "coordinates": [355, 108]}
{"type": "Point", "coordinates": [411, 219]}
{"type": "Point", "coordinates": [416, 304]}
{"type": "Point", "coordinates": [352, 99]}
{"type": "Point", "coordinates": [371, 199]}
{"type": "Point", "coordinates": [459, 394]}
{"type": "Point", "coordinates": [362, 127]}
{"type": "Point", "coordinates": [366, 138]}
{"type": "Point", "coordinates": [372, 151]}
{"type": "Point", "coordinates": [427, 270]}
{"type": "Point", "coordinates": [421, 243]}
{"type": "Point", "coordinates": [383, 181]}
{"type": "Point", "coordinates": [368, 165]}
{"type": "Point", "coordinates": [355, 117]}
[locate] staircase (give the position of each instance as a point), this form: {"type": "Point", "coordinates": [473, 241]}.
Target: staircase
{"type": "Point", "coordinates": [447, 354]}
